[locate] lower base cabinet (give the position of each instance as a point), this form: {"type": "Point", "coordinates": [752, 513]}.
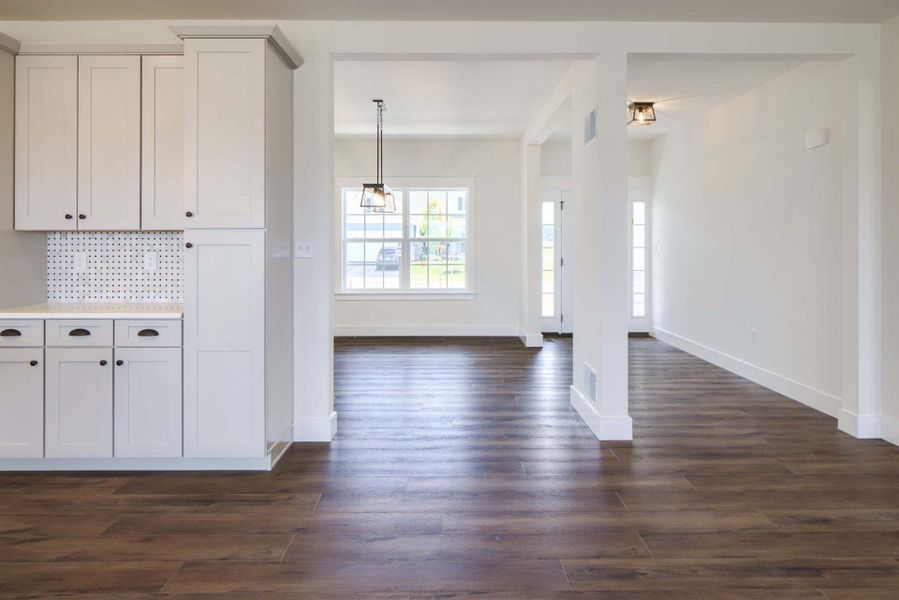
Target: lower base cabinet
{"type": "Point", "coordinates": [79, 402]}
{"type": "Point", "coordinates": [147, 402]}
{"type": "Point", "coordinates": [21, 402]}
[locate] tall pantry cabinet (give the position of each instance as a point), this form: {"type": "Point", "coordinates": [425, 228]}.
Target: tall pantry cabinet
{"type": "Point", "coordinates": [238, 287]}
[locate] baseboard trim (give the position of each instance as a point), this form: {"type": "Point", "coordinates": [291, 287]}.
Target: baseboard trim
{"type": "Point", "coordinates": [865, 427]}
{"type": "Point", "coordinates": [425, 331]}
{"type": "Point", "coordinates": [812, 397]}
{"type": "Point", "coordinates": [262, 463]}
{"type": "Point", "coordinates": [604, 428]}
{"type": "Point", "coordinates": [890, 430]}
{"type": "Point", "coordinates": [531, 340]}
{"type": "Point", "coordinates": [315, 429]}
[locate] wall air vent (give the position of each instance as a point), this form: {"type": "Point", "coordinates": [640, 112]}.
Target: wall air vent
{"type": "Point", "coordinates": [590, 383]}
{"type": "Point", "coordinates": [590, 127]}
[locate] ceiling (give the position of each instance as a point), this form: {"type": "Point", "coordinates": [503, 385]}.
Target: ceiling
{"type": "Point", "coordinates": [485, 98]}
{"type": "Point", "coordinates": [758, 11]}
{"type": "Point", "coordinates": [677, 85]}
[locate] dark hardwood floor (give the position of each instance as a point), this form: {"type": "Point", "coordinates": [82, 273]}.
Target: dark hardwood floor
{"type": "Point", "coordinates": [461, 471]}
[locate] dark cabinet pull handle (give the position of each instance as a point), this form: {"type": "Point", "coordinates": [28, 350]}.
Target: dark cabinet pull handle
{"type": "Point", "coordinates": [120, 362]}
{"type": "Point", "coordinates": [79, 332]}
{"type": "Point", "coordinates": [68, 216]}
{"type": "Point", "coordinates": [33, 363]}
{"type": "Point", "coordinates": [188, 214]}
{"type": "Point", "coordinates": [102, 363]}
{"type": "Point", "coordinates": [82, 216]}
{"type": "Point", "coordinates": [188, 245]}
{"type": "Point", "coordinates": [148, 333]}
{"type": "Point", "coordinates": [10, 333]}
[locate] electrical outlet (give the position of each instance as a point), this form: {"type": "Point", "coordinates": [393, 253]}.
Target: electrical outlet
{"type": "Point", "coordinates": [150, 263]}
{"type": "Point", "coordinates": [79, 262]}
{"type": "Point", "coordinates": [304, 249]}
{"type": "Point", "coordinates": [754, 334]}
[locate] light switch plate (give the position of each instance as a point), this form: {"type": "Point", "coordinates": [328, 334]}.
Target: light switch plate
{"type": "Point", "coordinates": [304, 249]}
{"type": "Point", "coordinates": [79, 262]}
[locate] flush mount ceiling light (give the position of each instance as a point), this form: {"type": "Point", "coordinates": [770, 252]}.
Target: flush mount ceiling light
{"type": "Point", "coordinates": [641, 113]}
{"type": "Point", "coordinates": [378, 196]}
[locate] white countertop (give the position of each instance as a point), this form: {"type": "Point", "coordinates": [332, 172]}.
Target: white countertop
{"type": "Point", "coordinates": [59, 310]}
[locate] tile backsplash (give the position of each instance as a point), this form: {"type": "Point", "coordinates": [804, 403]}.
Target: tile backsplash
{"type": "Point", "coordinates": [115, 267]}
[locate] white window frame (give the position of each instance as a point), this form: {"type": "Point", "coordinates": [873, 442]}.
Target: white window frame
{"type": "Point", "coordinates": [404, 292]}
{"type": "Point", "coordinates": [640, 190]}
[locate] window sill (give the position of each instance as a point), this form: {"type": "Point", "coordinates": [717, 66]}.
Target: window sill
{"type": "Point", "coordinates": [405, 296]}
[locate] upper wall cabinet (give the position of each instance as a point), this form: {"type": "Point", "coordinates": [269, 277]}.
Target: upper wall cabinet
{"type": "Point", "coordinates": [162, 181]}
{"type": "Point", "coordinates": [82, 161]}
{"type": "Point", "coordinates": [46, 142]}
{"type": "Point", "coordinates": [224, 132]}
{"type": "Point", "coordinates": [109, 142]}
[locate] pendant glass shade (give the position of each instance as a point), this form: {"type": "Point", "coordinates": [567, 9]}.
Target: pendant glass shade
{"type": "Point", "coordinates": [378, 197]}
{"type": "Point", "coordinates": [641, 113]}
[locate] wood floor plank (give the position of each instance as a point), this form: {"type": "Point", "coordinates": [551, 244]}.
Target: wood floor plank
{"type": "Point", "coordinates": [460, 470]}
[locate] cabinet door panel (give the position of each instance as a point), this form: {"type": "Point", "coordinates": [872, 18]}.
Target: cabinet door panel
{"type": "Point", "coordinates": [46, 142]}
{"type": "Point", "coordinates": [225, 132]}
{"type": "Point", "coordinates": [79, 402]}
{"type": "Point", "coordinates": [162, 159]}
{"type": "Point", "coordinates": [109, 142]}
{"type": "Point", "coordinates": [148, 402]}
{"type": "Point", "coordinates": [21, 403]}
{"type": "Point", "coordinates": [224, 321]}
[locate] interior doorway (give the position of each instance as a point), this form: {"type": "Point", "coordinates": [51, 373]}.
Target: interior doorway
{"type": "Point", "coordinates": [555, 280]}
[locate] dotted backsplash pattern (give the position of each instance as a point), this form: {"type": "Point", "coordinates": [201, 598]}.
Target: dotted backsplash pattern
{"type": "Point", "coordinates": [115, 267]}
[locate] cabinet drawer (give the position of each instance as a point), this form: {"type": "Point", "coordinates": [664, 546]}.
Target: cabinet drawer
{"type": "Point", "coordinates": [78, 332]}
{"type": "Point", "coordinates": [21, 334]}
{"type": "Point", "coordinates": [153, 333]}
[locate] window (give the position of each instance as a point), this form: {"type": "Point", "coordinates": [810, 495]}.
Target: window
{"type": "Point", "coordinates": [423, 247]}
{"type": "Point", "coordinates": [638, 265]}
{"type": "Point", "coordinates": [548, 266]}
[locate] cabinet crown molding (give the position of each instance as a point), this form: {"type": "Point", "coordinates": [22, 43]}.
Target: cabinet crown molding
{"type": "Point", "coordinates": [272, 33]}
{"type": "Point", "coordinates": [9, 44]}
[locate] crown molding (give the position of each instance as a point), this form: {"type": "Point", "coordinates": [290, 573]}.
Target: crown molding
{"type": "Point", "coordinates": [9, 44]}
{"type": "Point", "coordinates": [270, 32]}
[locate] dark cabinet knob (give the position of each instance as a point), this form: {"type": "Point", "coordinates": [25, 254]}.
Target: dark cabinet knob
{"type": "Point", "coordinates": [147, 333]}
{"type": "Point", "coordinates": [188, 245]}
{"type": "Point", "coordinates": [82, 216]}
{"type": "Point", "coordinates": [10, 333]}
{"type": "Point", "coordinates": [68, 216]}
{"type": "Point", "coordinates": [79, 332]}
{"type": "Point", "coordinates": [102, 363]}
{"type": "Point", "coordinates": [33, 363]}
{"type": "Point", "coordinates": [188, 214]}
{"type": "Point", "coordinates": [120, 362]}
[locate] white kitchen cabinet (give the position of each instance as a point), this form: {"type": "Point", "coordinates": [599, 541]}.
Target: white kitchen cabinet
{"type": "Point", "coordinates": [162, 158]}
{"type": "Point", "coordinates": [21, 402]}
{"type": "Point", "coordinates": [224, 343]}
{"type": "Point", "coordinates": [147, 402]}
{"type": "Point", "coordinates": [46, 143]}
{"type": "Point", "coordinates": [109, 97]}
{"type": "Point", "coordinates": [225, 116]}
{"type": "Point", "coordinates": [78, 416]}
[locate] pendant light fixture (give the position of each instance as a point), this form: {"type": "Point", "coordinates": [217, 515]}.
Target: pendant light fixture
{"type": "Point", "coordinates": [641, 113]}
{"type": "Point", "coordinates": [378, 196]}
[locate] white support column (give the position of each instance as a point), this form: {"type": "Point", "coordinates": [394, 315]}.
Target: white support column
{"type": "Point", "coordinates": [314, 416]}
{"type": "Point", "coordinates": [600, 280]}
{"type": "Point", "coordinates": [531, 233]}
{"type": "Point", "coordinates": [862, 336]}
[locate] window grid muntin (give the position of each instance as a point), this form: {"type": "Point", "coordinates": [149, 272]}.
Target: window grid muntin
{"type": "Point", "coordinates": [638, 284]}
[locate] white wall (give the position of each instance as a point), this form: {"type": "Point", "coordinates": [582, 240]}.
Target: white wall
{"type": "Point", "coordinates": [555, 158]}
{"type": "Point", "coordinates": [494, 164]}
{"type": "Point", "coordinates": [746, 235]}
{"type": "Point", "coordinates": [23, 256]}
{"type": "Point", "coordinates": [891, 232]}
